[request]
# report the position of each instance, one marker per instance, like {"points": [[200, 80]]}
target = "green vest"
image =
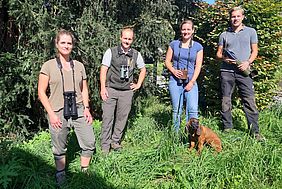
{"points": [[114, 79]]}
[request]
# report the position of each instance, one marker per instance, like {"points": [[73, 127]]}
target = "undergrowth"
{"points": [[154, 157]]}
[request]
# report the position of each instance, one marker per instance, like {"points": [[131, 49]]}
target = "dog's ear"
{"points": [[199, 131], [186, 129], [187, 126]]}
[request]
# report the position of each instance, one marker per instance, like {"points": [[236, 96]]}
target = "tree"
{"points": [[28, 28]]}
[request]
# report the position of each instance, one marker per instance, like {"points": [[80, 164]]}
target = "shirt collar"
{"points": [[121, 51], [230, 29]]}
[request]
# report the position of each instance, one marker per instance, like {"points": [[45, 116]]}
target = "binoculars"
{"points": [[124, 72], [183, 78], [70, 109]]}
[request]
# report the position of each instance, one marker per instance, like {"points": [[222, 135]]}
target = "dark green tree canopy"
{"points": [[27, 30]]}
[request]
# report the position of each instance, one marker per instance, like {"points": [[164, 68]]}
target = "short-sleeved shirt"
{"points": [[185, 58], [239, 43], [51, 69], [107, 59]]}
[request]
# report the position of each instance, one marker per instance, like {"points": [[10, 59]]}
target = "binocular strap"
{"points": [[61, 67]]}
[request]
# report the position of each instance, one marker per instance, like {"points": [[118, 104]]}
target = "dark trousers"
{"points": [[115, 113], [246, 91]]}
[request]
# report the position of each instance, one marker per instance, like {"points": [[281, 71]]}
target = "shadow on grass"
{"points": [[23, 169], [163, 119], [240, 125]]}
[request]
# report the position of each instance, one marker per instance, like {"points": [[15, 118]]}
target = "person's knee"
{"points": [[87, 145], [59, 149], [226, 104], [193, 107], [250, 104]]}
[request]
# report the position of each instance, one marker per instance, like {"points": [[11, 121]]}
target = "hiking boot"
{"points": [[259, 137], [116, 146], [85, 170], [60, 177]]}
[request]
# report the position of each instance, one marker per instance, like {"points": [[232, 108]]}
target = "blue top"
{"points": [[184, 63]]}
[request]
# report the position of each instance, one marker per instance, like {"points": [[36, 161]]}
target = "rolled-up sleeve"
{"points": [[45, 69]]}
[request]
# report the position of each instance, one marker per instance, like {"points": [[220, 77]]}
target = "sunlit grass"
{"points": [[154, 157]]}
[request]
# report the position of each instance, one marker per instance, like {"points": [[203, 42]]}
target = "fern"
{"points": [[8, 171]]}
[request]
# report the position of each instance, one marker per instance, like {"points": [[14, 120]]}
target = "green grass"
{"points": [[153, 157]]}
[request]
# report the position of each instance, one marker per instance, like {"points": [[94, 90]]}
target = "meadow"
{"points": [[154, 157]]}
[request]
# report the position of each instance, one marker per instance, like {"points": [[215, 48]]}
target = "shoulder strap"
{"points": [[60, 66], [189, 53], [178, 56], [72, 64]]}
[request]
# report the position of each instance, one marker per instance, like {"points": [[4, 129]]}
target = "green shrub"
{"points": [[8, 172]]}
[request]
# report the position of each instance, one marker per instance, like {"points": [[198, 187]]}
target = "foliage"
{"points": [[95, 35], [8, 171], [265, 17], [95, 30], [153, 157], [19, 83], [12, 93], [30, 28], [98, 33]]}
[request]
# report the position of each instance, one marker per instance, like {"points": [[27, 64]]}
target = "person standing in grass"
{"points": [[68, 103], [242, 41], [117, 87], [184, 59]]}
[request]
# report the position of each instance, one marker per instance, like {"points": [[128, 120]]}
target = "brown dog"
{"points": [[200, 135]]}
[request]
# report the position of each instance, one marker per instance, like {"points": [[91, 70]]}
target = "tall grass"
{"points": [[154, 157]]}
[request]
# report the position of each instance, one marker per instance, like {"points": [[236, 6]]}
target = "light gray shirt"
{"points": [[239, 43], [107, 59]]}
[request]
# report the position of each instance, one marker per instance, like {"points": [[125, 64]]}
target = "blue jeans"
{"points": [[191, 97]]}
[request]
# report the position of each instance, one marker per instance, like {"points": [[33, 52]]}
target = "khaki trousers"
{"points": [[84, 133], [115, 114]]}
